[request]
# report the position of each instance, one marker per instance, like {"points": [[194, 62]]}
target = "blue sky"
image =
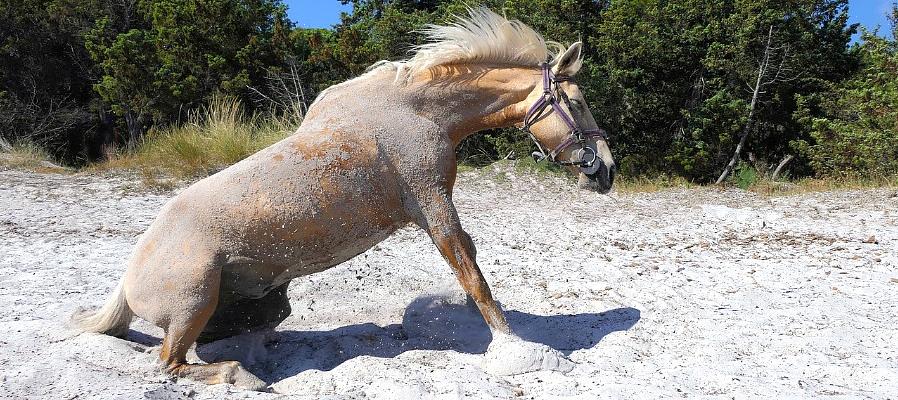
{"points": [[870, 13], [324, 13], [315, 13]]}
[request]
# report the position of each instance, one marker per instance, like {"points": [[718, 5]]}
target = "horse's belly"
{"points": [[254, 277], [339, 250]]}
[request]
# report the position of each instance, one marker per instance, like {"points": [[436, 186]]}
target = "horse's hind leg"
{"points": [[178, 340], [185, 327]]}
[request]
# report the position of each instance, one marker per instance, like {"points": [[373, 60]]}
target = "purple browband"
{"points": [[577, 135]]}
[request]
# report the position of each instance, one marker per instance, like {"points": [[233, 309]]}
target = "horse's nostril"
{"points": [[601, 180]]}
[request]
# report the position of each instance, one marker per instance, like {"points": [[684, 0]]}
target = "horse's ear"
{"points": [[569, 63]]}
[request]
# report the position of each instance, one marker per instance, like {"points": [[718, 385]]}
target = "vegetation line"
{"points": [[690, 89]]}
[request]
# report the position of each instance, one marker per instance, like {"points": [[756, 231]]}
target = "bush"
{"points": [[746, 176]]}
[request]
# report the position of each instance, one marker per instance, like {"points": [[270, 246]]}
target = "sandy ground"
{"points": [[682, 293]]}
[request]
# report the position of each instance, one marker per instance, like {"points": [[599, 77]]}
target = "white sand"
{"points": [[682, 293]]}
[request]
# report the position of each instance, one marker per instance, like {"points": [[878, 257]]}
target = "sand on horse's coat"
{"points": [[682, 293], [219, 257]]}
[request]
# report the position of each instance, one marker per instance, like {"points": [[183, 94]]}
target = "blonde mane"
{"points": [[481, 37], [484, 37]]}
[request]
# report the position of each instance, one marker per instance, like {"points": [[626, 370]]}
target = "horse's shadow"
{"points": [[429, 323]]}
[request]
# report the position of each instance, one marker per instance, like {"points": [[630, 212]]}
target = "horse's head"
{"points": [[562, 126]]}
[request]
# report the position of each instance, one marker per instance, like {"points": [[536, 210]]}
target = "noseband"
{"points": [[551, 94]]}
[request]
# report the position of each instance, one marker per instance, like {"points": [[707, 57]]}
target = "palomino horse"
{"points": [[374, 154]]}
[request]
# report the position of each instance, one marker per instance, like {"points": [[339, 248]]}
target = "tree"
{"points": [[773, 68], [677, 74], [183, 51], [46, 74], [858, 131]]}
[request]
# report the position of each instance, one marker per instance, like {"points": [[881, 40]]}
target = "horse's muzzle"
{"points": [[601, 180]]}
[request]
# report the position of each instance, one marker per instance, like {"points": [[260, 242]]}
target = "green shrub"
{"points": [[746, 176]]}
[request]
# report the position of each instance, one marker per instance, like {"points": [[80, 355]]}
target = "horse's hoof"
{"points": [[510, 355], [247, 381]]}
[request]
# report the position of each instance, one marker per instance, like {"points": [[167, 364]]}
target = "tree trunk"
{"points": [[135, 128], [762, 70], [779, 168]]}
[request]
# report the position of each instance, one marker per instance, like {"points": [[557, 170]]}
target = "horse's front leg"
{"points": [[441, 222], [507, 354]]}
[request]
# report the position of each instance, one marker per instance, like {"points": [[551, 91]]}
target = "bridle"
{"points": [[551, 94]]}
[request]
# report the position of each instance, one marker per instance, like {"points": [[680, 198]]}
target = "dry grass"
{"points": [[807, 185], [641, 184], [27, 155], [622, 184], [213, 138], [499, 171]]}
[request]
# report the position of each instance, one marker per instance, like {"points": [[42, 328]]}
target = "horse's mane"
{"points": [[481, 37]]}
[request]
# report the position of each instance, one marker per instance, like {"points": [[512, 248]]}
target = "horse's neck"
{"points": [[468, 99]]}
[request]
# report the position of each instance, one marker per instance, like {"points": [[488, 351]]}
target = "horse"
{"points": [[372, 155]]}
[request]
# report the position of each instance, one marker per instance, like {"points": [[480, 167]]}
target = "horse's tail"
{"points": [[111, 319]]}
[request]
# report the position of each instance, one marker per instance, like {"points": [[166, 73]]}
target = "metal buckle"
{"points": [[592, 161]]}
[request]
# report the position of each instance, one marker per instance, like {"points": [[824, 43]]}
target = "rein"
{"points": [[551, 93]]}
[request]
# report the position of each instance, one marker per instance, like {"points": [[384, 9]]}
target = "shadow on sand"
{"points": [[429, 323]]}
